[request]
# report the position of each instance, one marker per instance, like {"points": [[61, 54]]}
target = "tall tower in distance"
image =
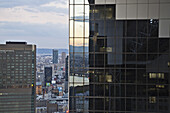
{"points": [[17, 77], [63, 56], [66, 73], [48, 75], [55, 56]]}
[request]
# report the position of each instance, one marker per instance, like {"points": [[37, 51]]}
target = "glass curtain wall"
{"points": [[79, 56], [116, 66]]}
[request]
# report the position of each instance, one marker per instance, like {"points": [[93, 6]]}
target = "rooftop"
{"points": [[16, 42]]}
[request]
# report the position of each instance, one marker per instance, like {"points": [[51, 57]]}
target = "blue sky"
{"points": [[40, 22]]}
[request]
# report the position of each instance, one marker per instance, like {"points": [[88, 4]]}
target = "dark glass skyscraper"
{"points": [[55, 56], [17, 77], [48, 75], [119, 56], [66, 74]]}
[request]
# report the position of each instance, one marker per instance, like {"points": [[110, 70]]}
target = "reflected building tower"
{"points": [[17, 77], [119, 56]]}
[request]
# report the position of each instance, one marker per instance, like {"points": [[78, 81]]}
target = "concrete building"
{"points": [[52, 107], [41, 106], [63, 57], [38, 88], [17, 77]]}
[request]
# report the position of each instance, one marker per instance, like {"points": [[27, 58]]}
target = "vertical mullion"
{"points": [[104, 55], [83, 50]]}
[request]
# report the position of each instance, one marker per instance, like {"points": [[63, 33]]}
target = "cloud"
{"points": [[56, 5], [32, 3], [43, 22], [45, 35], [26, 14], [42, 30], [34, 11]]}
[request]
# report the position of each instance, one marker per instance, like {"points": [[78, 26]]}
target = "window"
{"points": [[152, 100], [156, 75], [108, 78]]}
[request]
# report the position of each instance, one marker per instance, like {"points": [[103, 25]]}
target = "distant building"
{"points": [[40, 77], [66, 75], [55, 92], [38, 88], [55, 56], [48, 75], [41, 106], [17, 77], [41, 109], [52, 107], [63, 57], [60, 88]]}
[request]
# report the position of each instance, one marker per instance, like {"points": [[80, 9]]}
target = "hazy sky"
{"points": [[40, 22]]}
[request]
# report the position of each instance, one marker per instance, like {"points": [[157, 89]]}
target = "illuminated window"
{"points": [[160, 86], [152, 100], [156, 75], [168, 64], [108, 78], [109, 49], [102, 49]]}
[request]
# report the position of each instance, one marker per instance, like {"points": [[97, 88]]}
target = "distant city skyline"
{"points": [[40, 22]]}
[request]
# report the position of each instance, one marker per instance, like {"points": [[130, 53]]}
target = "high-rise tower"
{"points": [[63, 57], [17, 77], [119, 56], [48, 75], [55, 56]]}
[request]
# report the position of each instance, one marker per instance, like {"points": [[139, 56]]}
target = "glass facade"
{"points": [[116, 65], [48, 75], [17, 78], [55, 56]]}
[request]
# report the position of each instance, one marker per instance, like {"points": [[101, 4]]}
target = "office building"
{"points": [[63, 57], [55, 56], [48, 75], [41, 106], [38, 88], [17, 77], [119, 56], [66, 75], [52, 107]]}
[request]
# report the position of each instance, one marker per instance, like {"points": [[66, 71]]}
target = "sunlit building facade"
{"points": [[119, 56], [17, 77]]}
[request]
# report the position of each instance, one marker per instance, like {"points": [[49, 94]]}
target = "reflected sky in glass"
{"points": [[79, 23], [79, 80]]}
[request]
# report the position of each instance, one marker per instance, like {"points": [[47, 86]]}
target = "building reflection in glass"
{"points": [[116, 65]]}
